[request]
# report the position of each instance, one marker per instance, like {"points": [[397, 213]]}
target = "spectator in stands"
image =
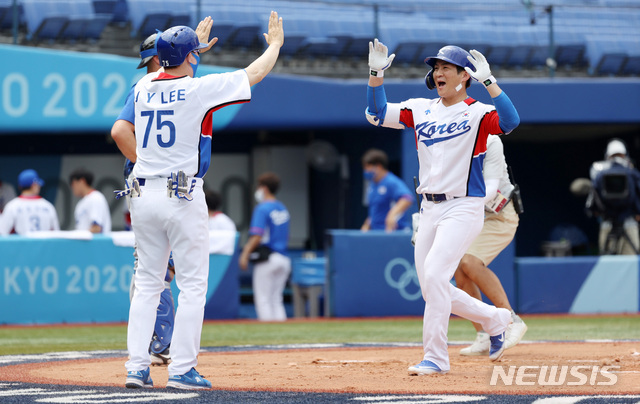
{"points": [[267, 250], [388, 197], [615, 199], [7, 193], [92, 211], [217, 219], [29, 212]]}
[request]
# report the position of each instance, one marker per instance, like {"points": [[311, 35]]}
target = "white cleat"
{"points": [[514, 334], [479, 347]]}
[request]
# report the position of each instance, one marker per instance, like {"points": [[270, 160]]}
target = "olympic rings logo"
{"points": [[407, 277]]}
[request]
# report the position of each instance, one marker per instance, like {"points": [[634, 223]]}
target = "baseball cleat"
{"points": [[514, 333], [138, 379], [425, 368], [189, 381], [479, 347], [497, 346], [161, 359]]}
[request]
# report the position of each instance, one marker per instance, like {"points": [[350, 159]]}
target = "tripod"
{"points": [[615, 239]]}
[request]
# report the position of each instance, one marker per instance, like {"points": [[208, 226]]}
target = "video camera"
{"points": [[611, 196]]}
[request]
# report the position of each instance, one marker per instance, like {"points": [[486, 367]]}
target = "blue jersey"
{"points": [[382, 195], [128, 114], [270, 220]]}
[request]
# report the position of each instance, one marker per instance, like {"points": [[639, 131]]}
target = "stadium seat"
{"points": [[43, 19], [7, 19], [519, 56], [83, 22], [407, 52], [610, 64], [105, 7], [570, 55], [631, 66], [538, 56], [499, 55]]}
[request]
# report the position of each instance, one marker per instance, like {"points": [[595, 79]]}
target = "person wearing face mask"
{"points": [[266, 249], [387, 196]]}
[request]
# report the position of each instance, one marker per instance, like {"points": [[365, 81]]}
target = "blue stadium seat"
{"points": [[146, 16], [7, 21], [611, 64], [631, 66], [83, 22], [538, 56], [570, 55], [499, 55], [519, 56], [408, 52], [43, 19]]}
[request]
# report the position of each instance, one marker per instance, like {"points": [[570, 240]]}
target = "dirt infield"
{"points": [[574, 367]]}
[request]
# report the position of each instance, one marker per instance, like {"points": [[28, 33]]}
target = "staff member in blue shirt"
{"points": [[388, 197], [267, 250]]}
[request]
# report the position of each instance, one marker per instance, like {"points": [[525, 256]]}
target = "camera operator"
{"points": [[614, 199]]}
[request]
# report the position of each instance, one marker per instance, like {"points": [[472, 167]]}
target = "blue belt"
{"points": [[141, 181], [437, 198]]}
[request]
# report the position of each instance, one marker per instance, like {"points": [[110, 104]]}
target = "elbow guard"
{"points": [[509, 118], [377, 105]]}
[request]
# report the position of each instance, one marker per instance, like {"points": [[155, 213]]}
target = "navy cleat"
{"points": [[425, 368], [497, 346], [139, 378], [189, 381]]}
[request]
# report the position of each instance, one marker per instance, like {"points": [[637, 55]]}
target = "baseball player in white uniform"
{"points": [[500, 225], [29, 212], [451, 139], [173, 123], [92, 211]]}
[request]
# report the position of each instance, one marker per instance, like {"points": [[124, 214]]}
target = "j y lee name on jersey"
{"points": [[428, 129], [166, 98]]}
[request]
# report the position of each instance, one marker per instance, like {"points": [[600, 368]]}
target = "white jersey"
{"points": [[220, 221], [445, 136], [495, 165], [173, 120], [26, 214], [93, 209]]}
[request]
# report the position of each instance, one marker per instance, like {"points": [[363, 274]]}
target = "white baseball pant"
{"points": [[162, 224], [446, 231], [269, 279]]}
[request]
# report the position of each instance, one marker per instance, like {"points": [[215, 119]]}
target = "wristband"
{"points": [[376, 73], [489, 81]]}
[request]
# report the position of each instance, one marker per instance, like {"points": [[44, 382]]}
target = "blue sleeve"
{"points": [[401, 190], [509, 118], [258, 220], [376, 103], [128, 112]]}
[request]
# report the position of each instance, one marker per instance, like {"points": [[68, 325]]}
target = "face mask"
{"points": [[259, 195], [368, 175], [195, 66]]}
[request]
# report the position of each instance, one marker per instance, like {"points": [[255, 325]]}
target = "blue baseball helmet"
{"points": [[450, 53], [175, 44]]}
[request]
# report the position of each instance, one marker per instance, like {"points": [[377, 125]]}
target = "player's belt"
{"points": [[162, 181], [437, 198]]}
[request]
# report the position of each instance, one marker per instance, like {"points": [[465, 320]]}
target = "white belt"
{"points": [[161, 182]]}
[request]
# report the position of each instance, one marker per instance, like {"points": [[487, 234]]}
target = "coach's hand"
{"points": [[483, 71], [379, 60], [203, 30]]}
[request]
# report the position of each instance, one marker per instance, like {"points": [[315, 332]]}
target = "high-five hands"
{"points": [[379, 59]]}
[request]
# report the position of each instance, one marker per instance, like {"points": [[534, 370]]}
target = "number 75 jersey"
{"points": [[174, 120]]}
